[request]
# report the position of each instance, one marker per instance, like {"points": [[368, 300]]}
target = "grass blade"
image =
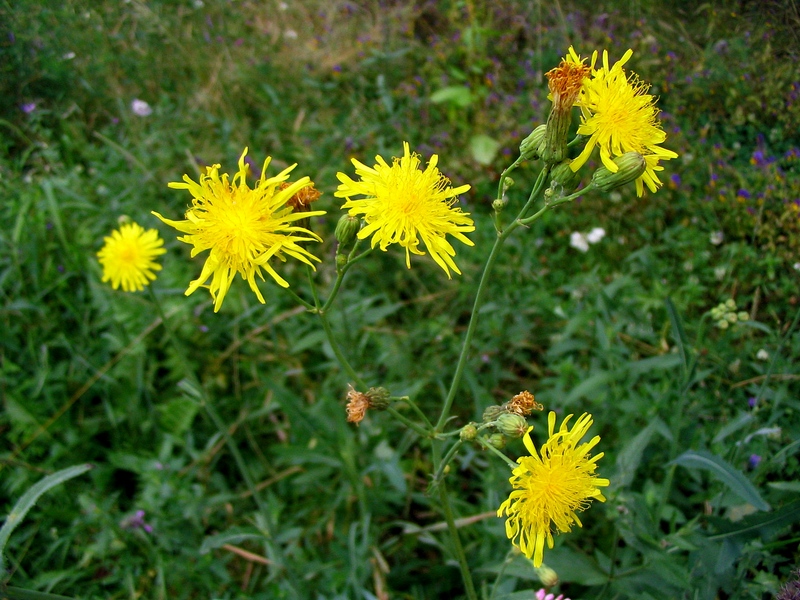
{"points": [[29, 498]]}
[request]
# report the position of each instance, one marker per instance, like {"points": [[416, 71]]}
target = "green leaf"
{"points": [[29, 498], [785, 486], [678, 333], [234, 535], [630, 456], [734, 479], [574, 567], [589, 387], [176, 416], [739, 422], [784, 516], [483, 148], [458, 95]]}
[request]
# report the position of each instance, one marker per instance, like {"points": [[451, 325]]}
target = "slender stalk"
{"points": [[485, 443], [507, 561], [482, 287], [446, 461], [351, 372], [308, 305], [457, 547], [426, 433], [416, 409]]}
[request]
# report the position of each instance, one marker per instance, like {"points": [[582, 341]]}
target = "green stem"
{"points": [[446, 461], [416, 409], [308, 305], [482, 288], [507, 561], [457, 547], [505, 174], [351, 372], [485, 443], [408, 422]]}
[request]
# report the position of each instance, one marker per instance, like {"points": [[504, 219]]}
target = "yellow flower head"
{"points": [[549, 487], [128, 257], [242, 228], [403, 204], [619, 116]]}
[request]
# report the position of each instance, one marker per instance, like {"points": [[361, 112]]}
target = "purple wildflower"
{"points": [[754, 460], [28, 107]]}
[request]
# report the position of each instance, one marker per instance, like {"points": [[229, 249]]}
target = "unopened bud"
{"points": [[468, 433], [497, 440], [547, 576], [564, 176], [630, 166], [512, 425], [529, 148], [499, 204], [492, 412], [378, 398], [346, 230], [341, 261], [507, 183]]}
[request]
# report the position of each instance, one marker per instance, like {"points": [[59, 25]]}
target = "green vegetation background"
{"points": [[86, 374]]}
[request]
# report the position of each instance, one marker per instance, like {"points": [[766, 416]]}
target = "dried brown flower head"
{"points": [[302, 200], [357, 405], [565, 83], [523, 403]]}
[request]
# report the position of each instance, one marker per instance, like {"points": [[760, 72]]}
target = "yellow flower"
{"points": [[549, 489], [403, 204], [619, 116], [242, 228], [128, 257]]}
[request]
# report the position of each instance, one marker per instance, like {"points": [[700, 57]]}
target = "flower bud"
{"points": [[547, 576], [492, 412], [743, 316], [499, 204], [631, 165], [346, 230], [341, 261], [378, 398], [563, 175], [512, 425], [497, 440], [468, 433], [529, 147]]}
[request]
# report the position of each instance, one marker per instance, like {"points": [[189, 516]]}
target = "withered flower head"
{"points": [[565, 83], [357, 405], [302, 200], [523, 403]]}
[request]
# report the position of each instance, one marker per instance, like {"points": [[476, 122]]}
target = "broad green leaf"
{"points": [[29, 498], [589, 386], [483, 148], [784, 516], [724, 472], [458, 95], [630, 456], [574, 567], [663, 363]]}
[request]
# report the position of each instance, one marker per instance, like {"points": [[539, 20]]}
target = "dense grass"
{"points": [[622, 331]]}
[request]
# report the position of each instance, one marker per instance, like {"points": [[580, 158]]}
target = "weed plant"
{"points": [[699, 423]]}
